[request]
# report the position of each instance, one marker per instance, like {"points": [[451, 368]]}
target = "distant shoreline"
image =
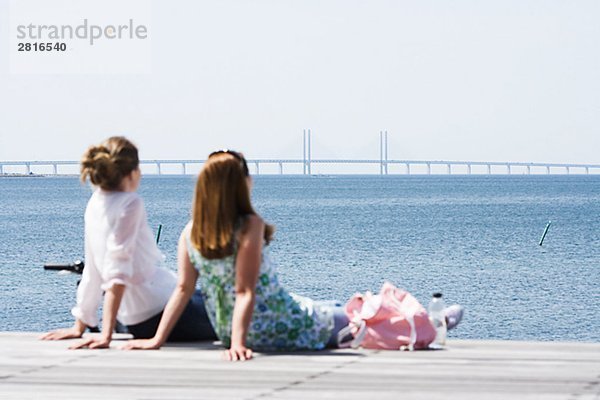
{"points": [[153, 175], [21, 175], [35, 175]]}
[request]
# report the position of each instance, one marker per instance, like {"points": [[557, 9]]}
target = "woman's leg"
{"points": [[193, 325], [340, 320], [145, 329]]}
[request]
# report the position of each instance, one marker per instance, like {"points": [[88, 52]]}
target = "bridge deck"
{"points": [[31, 369], [11, 168], [330, 161]]}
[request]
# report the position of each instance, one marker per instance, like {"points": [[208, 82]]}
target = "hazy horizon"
{"points": [[495, 81]]}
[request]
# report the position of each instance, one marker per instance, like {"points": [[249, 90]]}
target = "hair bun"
{"points": [[108, 163], [93, 155]]}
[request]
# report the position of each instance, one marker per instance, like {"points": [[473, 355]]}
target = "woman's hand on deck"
{"points": [[74, 332], [60, 334], [238, 353], [92, 343], [141, 344]]}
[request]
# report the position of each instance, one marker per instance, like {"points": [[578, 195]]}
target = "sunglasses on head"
{"points": [[236, 155]]}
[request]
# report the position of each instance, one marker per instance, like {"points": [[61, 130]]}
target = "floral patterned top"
{"points": [[280, 321]]}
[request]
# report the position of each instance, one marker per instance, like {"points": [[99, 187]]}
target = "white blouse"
{"points": [[120, 249]]}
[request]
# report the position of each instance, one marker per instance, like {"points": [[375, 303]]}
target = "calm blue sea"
{"points": [[474, 238]]}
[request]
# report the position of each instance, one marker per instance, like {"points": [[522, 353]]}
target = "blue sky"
{"points": [[492, 81]]}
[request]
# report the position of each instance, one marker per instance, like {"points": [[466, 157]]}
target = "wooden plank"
{"points": [[32, 369]]}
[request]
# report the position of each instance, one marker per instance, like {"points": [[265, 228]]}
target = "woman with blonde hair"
{"points": [[122, 259]]}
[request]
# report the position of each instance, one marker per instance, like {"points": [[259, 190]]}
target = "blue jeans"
{"points": [[193, 325]]}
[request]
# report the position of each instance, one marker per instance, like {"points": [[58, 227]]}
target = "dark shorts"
{"points": [[193, 325]]}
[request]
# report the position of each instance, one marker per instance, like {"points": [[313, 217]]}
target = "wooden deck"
{"points": [[32, 369]]}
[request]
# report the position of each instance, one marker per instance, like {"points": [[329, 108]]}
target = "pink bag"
{"points": [[392, 320]]}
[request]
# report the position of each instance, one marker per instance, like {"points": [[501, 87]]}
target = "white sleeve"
{"points": [[120, 245], [89, 291]]}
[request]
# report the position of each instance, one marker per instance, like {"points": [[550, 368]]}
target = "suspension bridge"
{"points": [[306, 163]]}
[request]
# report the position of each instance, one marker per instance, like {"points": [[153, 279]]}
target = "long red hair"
{"points": [[221, 201]]}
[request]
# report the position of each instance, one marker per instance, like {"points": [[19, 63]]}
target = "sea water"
{"points": [[473, 238]]}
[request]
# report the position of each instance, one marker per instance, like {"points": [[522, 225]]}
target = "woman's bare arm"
{"points": [[112, 300], [247, 270]]}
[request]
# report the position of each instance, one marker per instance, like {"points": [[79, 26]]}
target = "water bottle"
{"points": [[438, 319]]}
